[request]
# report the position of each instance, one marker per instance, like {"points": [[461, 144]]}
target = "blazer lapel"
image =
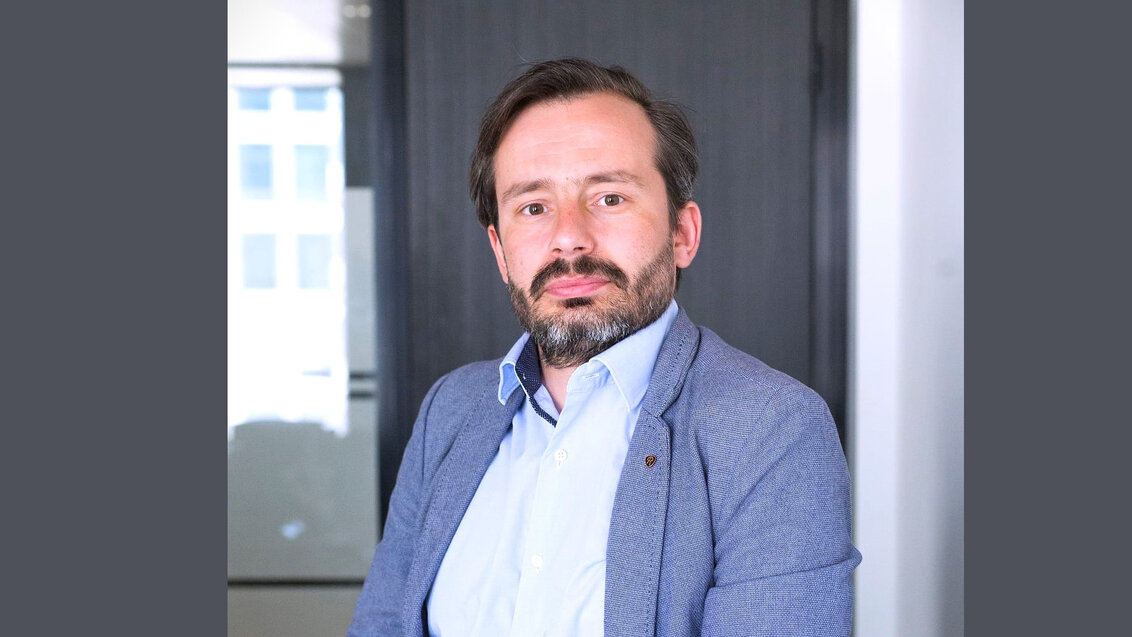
{"points": [[455, 483], [636, 532], [636, 529]]}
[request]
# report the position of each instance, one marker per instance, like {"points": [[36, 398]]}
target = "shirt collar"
{"points": [[630, 361]]}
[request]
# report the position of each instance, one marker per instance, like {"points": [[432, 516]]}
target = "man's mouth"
{"points": [[575, 286], [584, 276]]}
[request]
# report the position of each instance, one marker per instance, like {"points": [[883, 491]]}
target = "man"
{"points": [[620, 471]]}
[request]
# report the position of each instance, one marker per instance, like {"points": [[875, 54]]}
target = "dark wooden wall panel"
{"points": [[742, 69]]}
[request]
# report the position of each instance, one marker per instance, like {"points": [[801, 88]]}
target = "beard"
{"points": [[584, 328]]}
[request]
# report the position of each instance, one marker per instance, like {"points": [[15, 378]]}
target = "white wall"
{"points": [[906, 315]]}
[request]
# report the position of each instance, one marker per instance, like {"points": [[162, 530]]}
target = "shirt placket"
{"points": [[539, 571], [542, 579]]}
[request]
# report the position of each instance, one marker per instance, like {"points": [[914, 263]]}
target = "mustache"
{"points": [[584, 265]]}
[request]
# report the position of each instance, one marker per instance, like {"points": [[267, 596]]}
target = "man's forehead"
{"points": [[606, 132], [598, 119], [564, 108]]}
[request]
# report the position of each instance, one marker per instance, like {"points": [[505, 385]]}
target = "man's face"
{"points": [[584, 240]]}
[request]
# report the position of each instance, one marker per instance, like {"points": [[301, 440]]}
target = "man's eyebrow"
{"points": [[615, 177], [523, 187], [612, 177]]}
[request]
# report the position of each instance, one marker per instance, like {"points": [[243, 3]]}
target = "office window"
{"points": [[310, 99], [259, 261], [310, 172], [302, 499], [254, 99], [314, 252], [255, 171]]}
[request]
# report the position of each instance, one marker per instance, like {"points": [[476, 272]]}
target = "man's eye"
{"points": [[612, 200], [534, 209]]}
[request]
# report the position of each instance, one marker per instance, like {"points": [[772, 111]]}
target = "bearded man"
{"points": [[620, 471]]}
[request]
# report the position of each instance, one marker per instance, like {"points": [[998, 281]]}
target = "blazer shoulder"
{"points": [[739, 376], [459, 391], [469, 381], [733, 398], [737, 420], [449, 404]]}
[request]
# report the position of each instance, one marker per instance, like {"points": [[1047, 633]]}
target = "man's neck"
{"points": [[555, 380]]}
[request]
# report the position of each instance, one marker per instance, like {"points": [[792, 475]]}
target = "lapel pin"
{"points": [[650, 460]]}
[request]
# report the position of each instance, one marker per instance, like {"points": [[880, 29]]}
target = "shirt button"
{"points": [[536, 561], [559, 458]]}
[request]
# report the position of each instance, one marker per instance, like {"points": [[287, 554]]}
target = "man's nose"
{"points": [[573, 230]]}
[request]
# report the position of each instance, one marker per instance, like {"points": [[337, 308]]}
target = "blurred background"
{"points": [[831, 144]]}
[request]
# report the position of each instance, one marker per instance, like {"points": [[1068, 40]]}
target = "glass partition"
{"points": [[301, 408]]}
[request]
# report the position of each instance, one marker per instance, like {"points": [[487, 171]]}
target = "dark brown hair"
{"points": [[572, 77]]}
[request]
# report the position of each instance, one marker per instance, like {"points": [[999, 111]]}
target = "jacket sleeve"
{"points": [[378, 610], [784, 558]]}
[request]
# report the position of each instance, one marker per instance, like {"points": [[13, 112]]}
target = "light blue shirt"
{"points": [[529, 555]]}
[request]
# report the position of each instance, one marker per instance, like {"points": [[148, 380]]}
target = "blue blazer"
{"points": [[740, 526]]}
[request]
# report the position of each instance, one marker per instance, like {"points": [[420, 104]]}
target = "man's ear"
{"points": [[497, 248], [686, 238]]}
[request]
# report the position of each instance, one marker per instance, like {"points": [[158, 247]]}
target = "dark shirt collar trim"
{"points": [[529, 371]]}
